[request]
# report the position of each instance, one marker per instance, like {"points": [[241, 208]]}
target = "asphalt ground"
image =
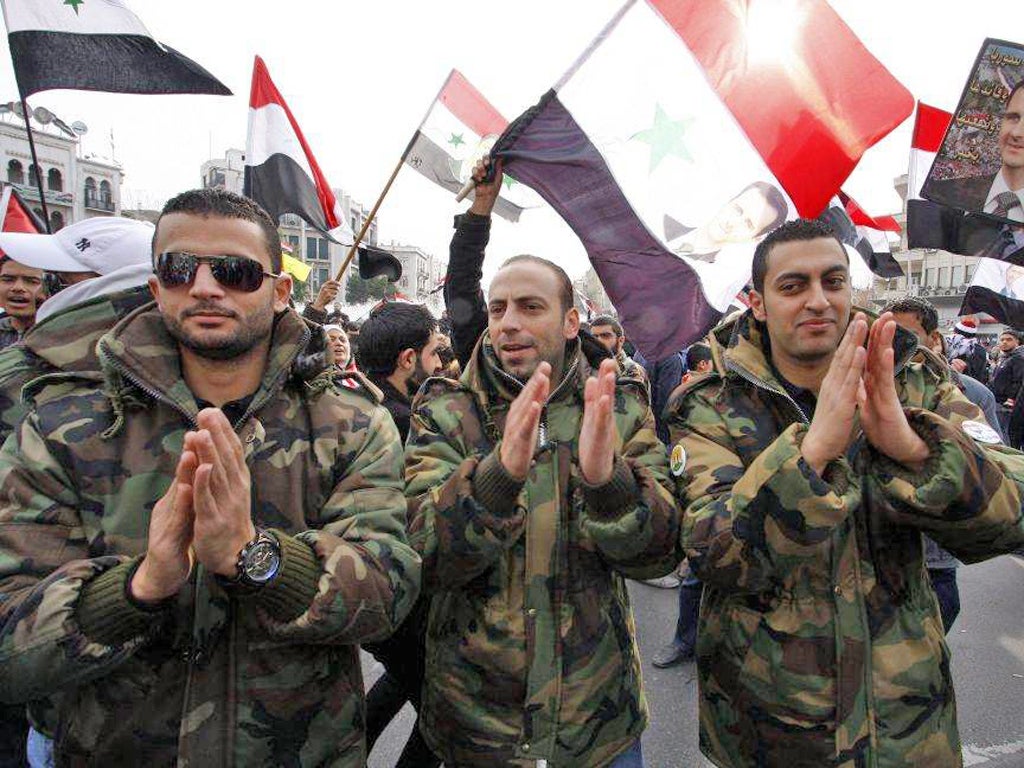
{"points": [[987, 643]]}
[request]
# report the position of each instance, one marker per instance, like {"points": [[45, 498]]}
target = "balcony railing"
{"points": [[98, 203]]}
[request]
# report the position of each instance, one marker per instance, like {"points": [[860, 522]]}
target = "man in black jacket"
{"points": [[1007, 380], [398, 351]]}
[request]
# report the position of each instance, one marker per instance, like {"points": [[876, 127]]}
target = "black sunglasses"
{"points": [[239, 273]]}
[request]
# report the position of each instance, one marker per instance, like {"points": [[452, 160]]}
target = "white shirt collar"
{"points": [[999, 186]]}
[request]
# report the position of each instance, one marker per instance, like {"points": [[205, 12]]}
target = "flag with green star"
{"points": [[459, 129], [95, 45]]}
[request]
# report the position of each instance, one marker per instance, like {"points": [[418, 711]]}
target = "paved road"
{"points": [[987, 642]]}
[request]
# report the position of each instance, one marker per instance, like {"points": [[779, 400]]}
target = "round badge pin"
{"points": [[677, 461], [981, 432]]}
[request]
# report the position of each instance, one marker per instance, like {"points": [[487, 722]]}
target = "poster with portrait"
{"points": [[979, 167], [998, 289]]}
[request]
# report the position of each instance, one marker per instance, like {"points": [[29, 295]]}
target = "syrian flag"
{"points": [[95, 45], [18, 217], [718, 118], [933, 225], [998, 289], [870, 237], [281, 173], [459, 129]]}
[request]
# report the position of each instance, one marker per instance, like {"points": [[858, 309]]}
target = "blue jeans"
{"points": [[631, 758]]}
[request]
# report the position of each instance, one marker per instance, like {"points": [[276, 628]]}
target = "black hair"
{"points": [[923, 309], [390, 329], [791, 231], [222, 204], [608, 320], [696, 354], [1013, 91], [774, 198], [565, 290]]}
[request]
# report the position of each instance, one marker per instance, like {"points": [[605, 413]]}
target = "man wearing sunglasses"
{"points": [[193, 543]]}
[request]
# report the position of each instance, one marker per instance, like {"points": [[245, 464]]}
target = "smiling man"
{"points": [[808, 466], [179, 566], [536, 483]]}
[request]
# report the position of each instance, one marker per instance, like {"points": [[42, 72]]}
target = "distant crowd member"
{"points": [[698, 362], [536, 483], [1008, 378], [398, 346], [105, 263], [964, 345], [316, 310], [165, 579], [607, 330], [21, 292], [809, 467], [398, 351]]}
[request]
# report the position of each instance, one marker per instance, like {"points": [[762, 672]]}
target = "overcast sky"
{"points": [[360, 76]]}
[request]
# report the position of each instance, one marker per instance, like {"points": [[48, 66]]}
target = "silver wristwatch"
{"points": [[259, 561]]}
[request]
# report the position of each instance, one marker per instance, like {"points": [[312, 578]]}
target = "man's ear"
{"points": [[757, 305], [154, 288], [407, 359], [282, 292], [571, 326]]}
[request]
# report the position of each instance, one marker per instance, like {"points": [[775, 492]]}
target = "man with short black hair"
{"points": [[398, 351], [809, 467], [199, 537], [536, 482], [607, 330], [21, 292]]}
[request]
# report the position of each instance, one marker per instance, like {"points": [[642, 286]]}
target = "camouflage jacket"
{"points": [[820, 642], [8, 333], [531, 650], [65, 342], [216, 677]]}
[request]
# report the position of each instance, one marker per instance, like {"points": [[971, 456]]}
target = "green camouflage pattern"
{"points": [[820, 640], [531, 650], [218, 677], [63, 342]]}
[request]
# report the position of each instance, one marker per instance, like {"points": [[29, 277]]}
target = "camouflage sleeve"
{"points": [[633, 519], [44, 570], [744, 528], [968, 495], [463, 510], [15, 372], [355, 578]]}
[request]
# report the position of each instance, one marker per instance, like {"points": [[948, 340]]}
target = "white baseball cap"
{"points": [[102, 244]]}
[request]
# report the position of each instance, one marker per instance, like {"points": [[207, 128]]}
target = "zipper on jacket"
{"points": [[748, 377]]}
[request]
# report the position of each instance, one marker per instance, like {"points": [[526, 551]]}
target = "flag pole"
{"points": [[387, 187], [35, 161]]}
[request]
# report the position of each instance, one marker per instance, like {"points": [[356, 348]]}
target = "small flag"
{"points": [[281, 173], [997, 288], [374, 262], [864, 234], [95, 46], [18, 217], [295, 267], [459, 129], [685, 132]]}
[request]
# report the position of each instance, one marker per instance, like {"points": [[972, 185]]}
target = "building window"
{"points": [[56, 221], [90, 187], [54, 180], [293, 241], [929, 276], [39, 212], [943, 277], [958, 276], [324, 275], [324, 249], [33, 176], [105, 191], [15, 172], [311, 247]]}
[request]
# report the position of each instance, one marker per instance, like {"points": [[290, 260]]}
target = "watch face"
{"points": [[262, 562]]}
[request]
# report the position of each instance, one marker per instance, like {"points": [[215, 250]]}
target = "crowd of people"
{"points": [[210, 501]]}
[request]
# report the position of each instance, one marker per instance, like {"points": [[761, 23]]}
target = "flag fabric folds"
{"points": [[95, 46], [998, 289], [18, 217], [374, 262], [867, 235], [688, 130], [281, 173], [459, 129]]}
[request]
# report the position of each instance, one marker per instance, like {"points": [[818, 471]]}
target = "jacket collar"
{"points": [[739, 348], [139, 352]]}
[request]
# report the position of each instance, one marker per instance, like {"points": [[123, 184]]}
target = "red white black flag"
{"points": [[281, 173]]}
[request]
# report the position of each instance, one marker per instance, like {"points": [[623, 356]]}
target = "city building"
{"points": [[76, 187], [422, 274]]}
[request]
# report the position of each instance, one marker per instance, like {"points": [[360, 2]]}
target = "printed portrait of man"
{"points": [[757, 209]]}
